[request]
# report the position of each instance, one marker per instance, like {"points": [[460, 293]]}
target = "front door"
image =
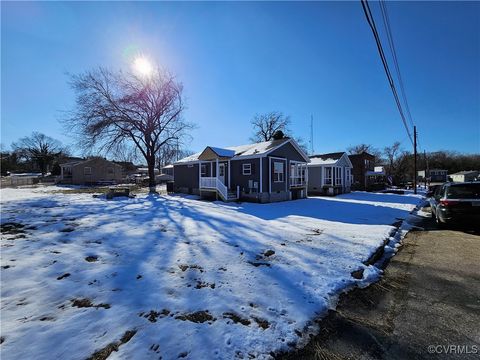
{"points": [[221, 173]]}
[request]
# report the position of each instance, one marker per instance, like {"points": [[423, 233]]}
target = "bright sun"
{"points": [[143, 66]]}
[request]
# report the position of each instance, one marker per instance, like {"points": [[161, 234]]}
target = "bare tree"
{"points": [[266, 125], [40, 149], [118, 108], [169, 154]]}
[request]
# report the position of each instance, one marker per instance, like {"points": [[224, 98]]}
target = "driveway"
{"points": [[427, 305]]}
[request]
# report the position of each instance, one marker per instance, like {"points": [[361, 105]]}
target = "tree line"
{"points": [[399, 163]]}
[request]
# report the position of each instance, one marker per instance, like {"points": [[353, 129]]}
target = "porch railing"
{"points": [[214, 183], [297, 181]]}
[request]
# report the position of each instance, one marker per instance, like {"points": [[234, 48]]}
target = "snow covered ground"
{"points": [[171, 276]]}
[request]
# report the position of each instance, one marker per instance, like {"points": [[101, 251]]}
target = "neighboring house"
{"points": [[167, 170], [362, 164], [263, 172], [90, 171], [433, 175], [464, 176], [166, 174], [329, 174]]}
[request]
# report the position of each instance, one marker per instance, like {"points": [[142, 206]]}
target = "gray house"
{"points": [[263, 172], [330, 174], [91, 171]]}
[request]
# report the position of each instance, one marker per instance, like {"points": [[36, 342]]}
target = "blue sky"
{"points": [[239, 59]]}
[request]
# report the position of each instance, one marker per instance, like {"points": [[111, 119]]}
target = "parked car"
{"points": [[456, 203]]}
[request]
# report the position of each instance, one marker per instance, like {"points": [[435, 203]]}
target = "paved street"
{"points": [[429, 296]]}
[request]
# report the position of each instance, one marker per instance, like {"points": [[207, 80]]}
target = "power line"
{"points": [[386, 22], [371, 22]]}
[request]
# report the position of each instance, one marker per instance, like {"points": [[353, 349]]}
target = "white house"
{"points": [[329, 174], [464, 176]]}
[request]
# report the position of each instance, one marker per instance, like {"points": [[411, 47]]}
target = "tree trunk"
{"points": [[151, 175]]}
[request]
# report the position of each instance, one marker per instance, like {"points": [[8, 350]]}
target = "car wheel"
{"points": [[440, 224]]}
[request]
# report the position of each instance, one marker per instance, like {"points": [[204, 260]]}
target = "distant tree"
{"points": [[40, 149], [169, 154], [266, 125], [118, 108], [56, 169]]}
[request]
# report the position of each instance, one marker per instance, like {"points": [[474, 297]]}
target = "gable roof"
{"points": [[361, 155], [246, 151], [328, 159], [465, 172]]}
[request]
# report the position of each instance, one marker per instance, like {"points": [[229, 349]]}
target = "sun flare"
{"points": [[143, 66]]}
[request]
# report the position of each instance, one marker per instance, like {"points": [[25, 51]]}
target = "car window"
{"points": [[439, 191], [464, 191]]}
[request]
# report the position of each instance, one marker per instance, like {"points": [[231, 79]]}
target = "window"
{"points": [[247, 169], [221, 170], [328, 176], [338, 176], [348, 175], [278, 175], [110, 170], [87, 170], [203, 169]]}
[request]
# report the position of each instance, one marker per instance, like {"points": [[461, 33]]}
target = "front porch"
{"points": [[215, 173]]}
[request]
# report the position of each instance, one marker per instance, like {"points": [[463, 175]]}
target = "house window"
{"points": [[338, 176], [247, 169], [87, 170], [328, 176], [203, 170], [110, 170], [278, 174], [348, 179]]}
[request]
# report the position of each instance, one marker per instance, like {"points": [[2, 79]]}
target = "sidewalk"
{"points": [[427, 305]]}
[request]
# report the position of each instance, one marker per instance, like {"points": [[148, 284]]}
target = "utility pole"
{"points": [[426, 166], [415, 159], [311, 135]]}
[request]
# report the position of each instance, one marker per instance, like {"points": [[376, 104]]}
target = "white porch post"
{"points": [[216, 168], [200, 178], [270, 175], [261, 175], [229, 173]]}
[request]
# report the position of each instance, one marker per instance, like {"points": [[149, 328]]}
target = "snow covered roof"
{"points": [[467, 172], [325, 159], [239, 151]]}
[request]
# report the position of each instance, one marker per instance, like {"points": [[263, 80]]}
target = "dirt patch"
{"points": [[104, 353], [91, 258], [257, 264], [236, 319], [196, 317], [12, 228], [5, 266], [67, 229], [357, 274], [184, 267], [264, 324], [268, 253], [87, 303], [2, 339], [47, 318], [63, 276], [202, 284], [316, 232], [153, 315]]}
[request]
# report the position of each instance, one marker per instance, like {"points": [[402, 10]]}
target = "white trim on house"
{"points": [[261, 175], [247, 169]]}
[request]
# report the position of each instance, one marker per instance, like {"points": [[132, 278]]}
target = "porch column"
{"points": [[199, 172], [261, 175], [216, 168], [229, 173]]}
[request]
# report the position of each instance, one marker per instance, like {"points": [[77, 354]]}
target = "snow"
{"points": [[182, 255], [320, 161], [222, 152]]}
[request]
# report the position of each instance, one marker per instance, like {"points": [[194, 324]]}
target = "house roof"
{"points": [[361, 155], [85, 161], [236, 152], [465, 172], [327, 159]]}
